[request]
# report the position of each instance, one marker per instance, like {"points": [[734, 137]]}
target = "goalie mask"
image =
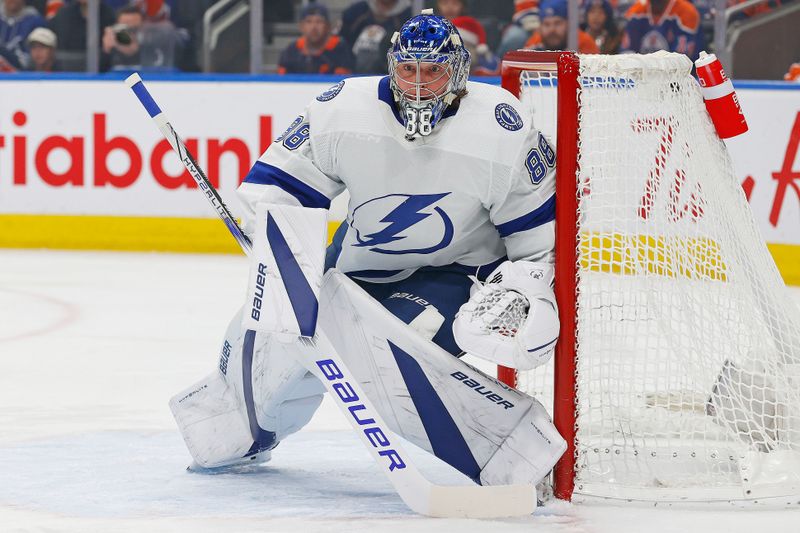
{"points": [[428, 69]]}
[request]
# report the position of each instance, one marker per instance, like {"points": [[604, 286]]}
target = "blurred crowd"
{"points": [[358, 42], [41, 35], [50, 36]]}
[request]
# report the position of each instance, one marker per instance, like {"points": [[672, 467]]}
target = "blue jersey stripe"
{"points": [[266, 174], [304, 302], [446, 439], [541, 215]]}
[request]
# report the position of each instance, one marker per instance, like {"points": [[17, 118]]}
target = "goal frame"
{"points": [[567, 66], [728, 432]]}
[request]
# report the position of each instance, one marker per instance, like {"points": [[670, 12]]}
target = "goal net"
{"points": [[677, 374]]}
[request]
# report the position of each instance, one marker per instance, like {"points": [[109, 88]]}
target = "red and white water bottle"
{"points": [[720, 98]]}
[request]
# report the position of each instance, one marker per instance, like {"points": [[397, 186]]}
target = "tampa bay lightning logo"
{"points": [[508, 117], [393, 214], [331, 93]]}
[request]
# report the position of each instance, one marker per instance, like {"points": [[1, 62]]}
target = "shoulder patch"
{"points": [[331, 93], [508, 117]]}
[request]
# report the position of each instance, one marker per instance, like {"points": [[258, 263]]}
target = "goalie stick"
{"points": [[417, 492], [135, 83]]}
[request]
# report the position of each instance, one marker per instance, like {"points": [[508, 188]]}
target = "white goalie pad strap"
{"points": [[286, 270], [428, 322], [513, 319], [426, 395]]}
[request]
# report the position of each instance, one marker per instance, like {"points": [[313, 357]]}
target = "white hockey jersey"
{"points": [[478, 190]]}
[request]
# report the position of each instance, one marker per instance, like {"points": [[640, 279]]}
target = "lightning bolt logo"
{"points": [[403, 217]]}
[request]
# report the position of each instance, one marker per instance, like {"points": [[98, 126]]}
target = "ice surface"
{"points": [[91, 347]]}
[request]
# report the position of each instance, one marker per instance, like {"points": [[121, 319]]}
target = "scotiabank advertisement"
{"points": [[87, 147]]}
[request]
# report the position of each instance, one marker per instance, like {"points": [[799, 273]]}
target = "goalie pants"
{"points": [[445, 288]]}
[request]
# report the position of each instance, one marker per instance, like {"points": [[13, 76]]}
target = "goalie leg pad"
{"points": [[286, 269], [257, 397], [529, 452], [431, 398], [209, 417]]}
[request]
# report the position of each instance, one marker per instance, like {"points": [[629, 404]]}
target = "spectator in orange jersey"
{"points": [[794, 73], [672, 25], [552, 33], [316, 51]]}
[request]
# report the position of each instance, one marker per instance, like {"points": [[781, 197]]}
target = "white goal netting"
{"points": [[688, 347]]}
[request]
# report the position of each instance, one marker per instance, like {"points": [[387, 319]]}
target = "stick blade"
{"points": [[480, 502]]}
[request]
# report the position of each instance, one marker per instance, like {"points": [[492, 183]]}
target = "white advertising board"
{"points": [[89, 148], [86, 147], [766, 159]]}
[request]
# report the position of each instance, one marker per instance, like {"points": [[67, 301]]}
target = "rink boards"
{"points": [[82, 167]]}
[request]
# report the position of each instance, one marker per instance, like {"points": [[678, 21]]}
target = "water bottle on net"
{"points": [[720, 98]]}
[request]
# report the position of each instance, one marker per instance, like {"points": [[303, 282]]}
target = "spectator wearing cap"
{"points": [[42, 43], [451, 9], [316, 51], [672, 25], [17, 21], [552, 32], [368, 25], [599, 23], [483, 61], [524, 22]]}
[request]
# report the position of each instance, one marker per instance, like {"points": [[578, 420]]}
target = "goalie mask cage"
{"points": [[676, 377]]}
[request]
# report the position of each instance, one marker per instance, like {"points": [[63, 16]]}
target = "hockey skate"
{"points": [[242, 465]]}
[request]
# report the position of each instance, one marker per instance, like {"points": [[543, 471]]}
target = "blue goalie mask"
{"points": [[428, 68]]}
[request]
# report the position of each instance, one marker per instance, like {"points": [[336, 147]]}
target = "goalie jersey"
{"points": [[477, 191]]}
